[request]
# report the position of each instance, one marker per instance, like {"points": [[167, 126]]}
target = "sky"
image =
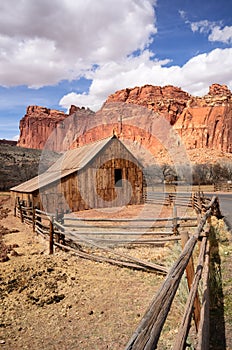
{"points": [[61, 52]]}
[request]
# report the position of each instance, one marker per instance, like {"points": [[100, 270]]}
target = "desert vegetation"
{"points": [[199, 174]]}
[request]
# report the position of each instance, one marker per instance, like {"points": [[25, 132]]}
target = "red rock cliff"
{"points": [[39, 123], [202, 122], [207, 121], [168, 100]]}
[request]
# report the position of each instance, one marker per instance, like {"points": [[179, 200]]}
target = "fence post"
{"points": [[190, 276], [33, 218], [21, 212], [175, 223], [51, 231], [15, 207]]}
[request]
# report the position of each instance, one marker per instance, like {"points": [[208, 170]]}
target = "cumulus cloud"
{"points": [[49, 41], [202, 26], [145, 69], [215, 30], [216, 33], [221, 34]]}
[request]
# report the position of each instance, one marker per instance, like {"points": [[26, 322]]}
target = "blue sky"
{"points": [[61, 52]]}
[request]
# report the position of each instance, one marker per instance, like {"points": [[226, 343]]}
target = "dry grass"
{"points": [[64, 302]]}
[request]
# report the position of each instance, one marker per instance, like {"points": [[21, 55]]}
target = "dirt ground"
{"points": [[62, 302]]}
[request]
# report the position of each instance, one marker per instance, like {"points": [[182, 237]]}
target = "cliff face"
{"points": [[169, 100], [135, 114], [207, 121], [39, 123], [201, 122]]}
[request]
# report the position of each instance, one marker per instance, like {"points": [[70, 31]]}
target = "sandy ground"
{"points": [[62, 302]]}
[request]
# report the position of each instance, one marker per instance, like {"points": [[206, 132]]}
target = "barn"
{"points": [[99, 174]]}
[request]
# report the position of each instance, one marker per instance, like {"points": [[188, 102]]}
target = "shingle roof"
{"points": [[68, 163]]}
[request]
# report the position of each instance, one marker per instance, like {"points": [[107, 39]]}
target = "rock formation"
{"points": [[168, 100], [40, 122], [135, 114], [20, 164], [207, 121]]}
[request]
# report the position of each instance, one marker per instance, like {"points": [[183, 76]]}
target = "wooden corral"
{"points": [[86, 238], [100, 174]]}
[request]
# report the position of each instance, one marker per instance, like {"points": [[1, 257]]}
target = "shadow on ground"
{"points": [[217, 320]]}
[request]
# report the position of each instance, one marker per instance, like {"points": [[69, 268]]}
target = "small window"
{"points": [[118, 177]]}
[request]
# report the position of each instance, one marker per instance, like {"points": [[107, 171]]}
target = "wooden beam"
{"points": [[190, 276], [51, 238]]}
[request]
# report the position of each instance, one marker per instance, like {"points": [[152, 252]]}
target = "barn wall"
{"points": [[28, 198], [94, 186]]}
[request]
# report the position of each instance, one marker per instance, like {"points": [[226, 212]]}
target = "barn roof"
{"points": [[70, 162]]}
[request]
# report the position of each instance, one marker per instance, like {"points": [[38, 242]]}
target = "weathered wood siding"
{"points": [[94, 185]]}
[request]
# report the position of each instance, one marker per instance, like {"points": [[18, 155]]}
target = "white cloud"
{"points": [[49, 41], [216, 32], [15, 138], [195, 76], [201, 26], [224, 35]]}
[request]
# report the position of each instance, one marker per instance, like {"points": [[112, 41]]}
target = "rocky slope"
{"points": [[20, 164], [145, 115]]}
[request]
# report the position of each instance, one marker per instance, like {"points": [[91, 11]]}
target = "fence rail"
{"points": [[223, 186], [147, 334], [71, 233]]}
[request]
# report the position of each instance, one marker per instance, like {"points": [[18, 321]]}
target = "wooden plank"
{"points": [[116, 227], [203, 332], [190, 276], [138, 241], [180, 341], [97, 258], [124, 220], [95, 232], [152, 266], [175, 221], [51, 237]]}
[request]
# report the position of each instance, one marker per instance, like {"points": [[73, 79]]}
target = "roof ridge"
{"points": [[96, 141]]}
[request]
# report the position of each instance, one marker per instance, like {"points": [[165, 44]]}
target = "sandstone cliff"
{"points": [[202, 122], [207, 121], [169, 100], [39, 123], [140, 114]]}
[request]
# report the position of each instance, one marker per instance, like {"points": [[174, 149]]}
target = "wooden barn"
{"points": [[96, 175]]}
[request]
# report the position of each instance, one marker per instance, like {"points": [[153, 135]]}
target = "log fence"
{"points": [[147, 334], [223, 186], [102, 235]]}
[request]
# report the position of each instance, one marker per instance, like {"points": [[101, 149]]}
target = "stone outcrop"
{"points": [[21, 164], [36, 126], [202, 122], [136, 114], [40, 122], [169, 100], [207, 121]]}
